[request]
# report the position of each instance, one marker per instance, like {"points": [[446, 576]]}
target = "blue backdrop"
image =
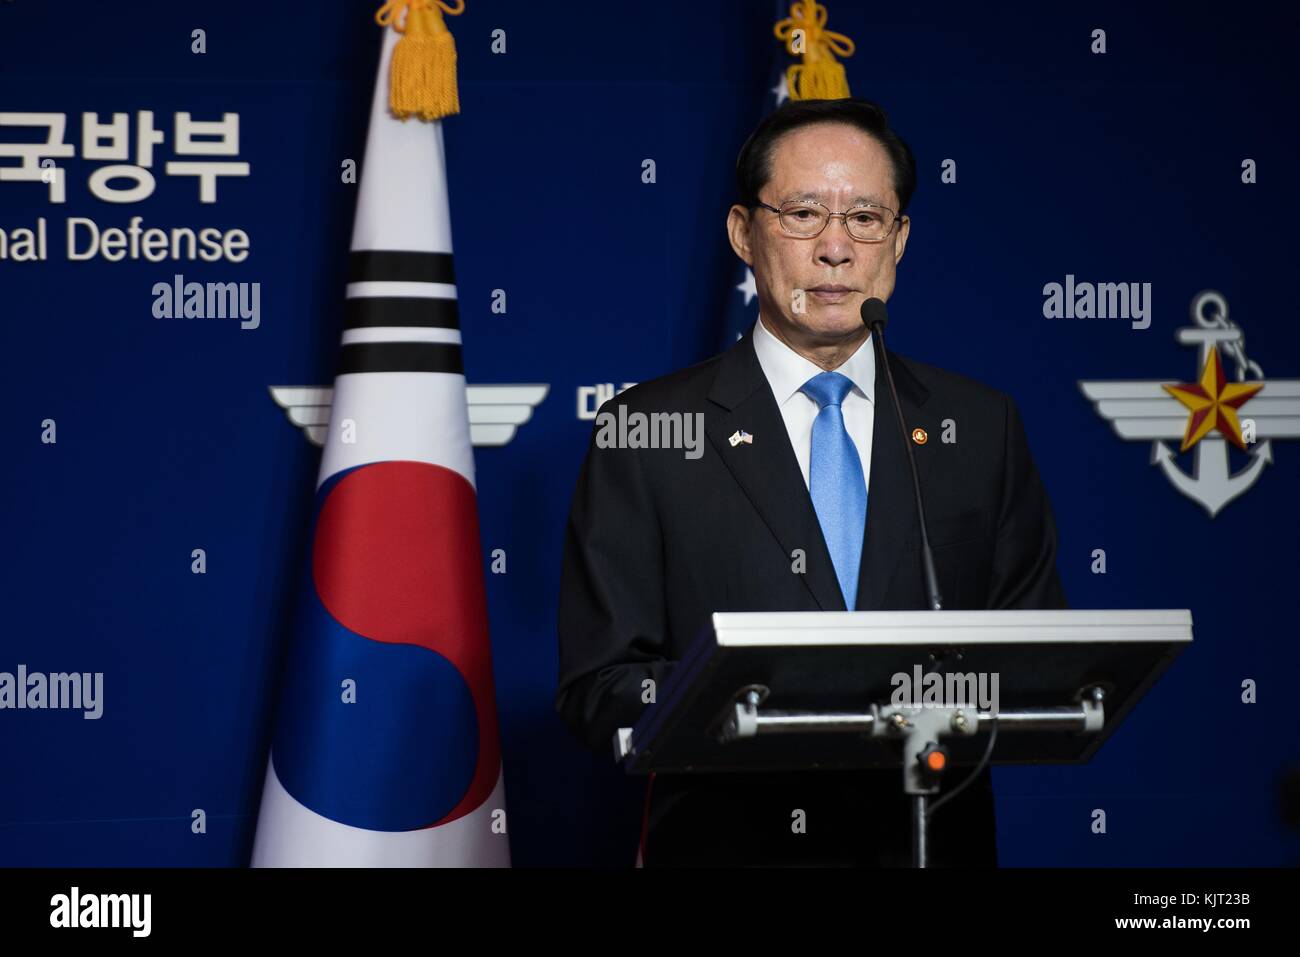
{"points": [[1117, 167]]}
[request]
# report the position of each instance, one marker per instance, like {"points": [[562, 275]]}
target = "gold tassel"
{"points": [[820, 76], [422, 79]]}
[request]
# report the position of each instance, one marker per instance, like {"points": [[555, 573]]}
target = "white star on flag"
{"points": [[748, 287], [781, 91]]}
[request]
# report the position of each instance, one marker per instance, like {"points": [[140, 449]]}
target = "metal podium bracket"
{"points": [[746, 719]]}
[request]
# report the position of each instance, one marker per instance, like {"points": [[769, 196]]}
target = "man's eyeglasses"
{"points": [[804, 219]]}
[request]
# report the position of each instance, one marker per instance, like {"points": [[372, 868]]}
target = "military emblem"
{"points": [[1208, 414]]}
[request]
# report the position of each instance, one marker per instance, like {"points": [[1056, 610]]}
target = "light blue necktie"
{"points": [[839, 492]]}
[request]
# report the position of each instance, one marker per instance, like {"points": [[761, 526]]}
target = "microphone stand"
{"points": [[927, 556]]}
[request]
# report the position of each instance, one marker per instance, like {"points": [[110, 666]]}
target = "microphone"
{"points": [[874, 316]]}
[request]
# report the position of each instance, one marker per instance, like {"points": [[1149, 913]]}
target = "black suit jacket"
{"points": [[656, 542]]}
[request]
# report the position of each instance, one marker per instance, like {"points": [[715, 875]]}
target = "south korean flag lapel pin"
{"points": [[740, 435]]}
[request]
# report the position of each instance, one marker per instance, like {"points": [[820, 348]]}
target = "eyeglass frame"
{"points": [[898, 218]]}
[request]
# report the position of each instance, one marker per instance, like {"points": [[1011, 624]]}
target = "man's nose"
{"points": [[835, 245]]}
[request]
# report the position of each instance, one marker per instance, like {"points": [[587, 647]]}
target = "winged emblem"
{"points": [[495, 411]]}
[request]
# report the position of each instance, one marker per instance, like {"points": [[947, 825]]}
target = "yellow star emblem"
{"points": [[1213, 404]]}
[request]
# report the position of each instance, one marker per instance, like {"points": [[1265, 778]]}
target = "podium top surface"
{"points": [[1011, 626]]}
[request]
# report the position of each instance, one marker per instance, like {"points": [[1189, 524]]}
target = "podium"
{"points": [[923, 691]]}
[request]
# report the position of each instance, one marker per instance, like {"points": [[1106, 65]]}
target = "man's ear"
{"points": [[738, 232], [900, 241]]}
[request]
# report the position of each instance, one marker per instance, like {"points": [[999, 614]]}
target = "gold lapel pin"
{"points": [[919, 436]]}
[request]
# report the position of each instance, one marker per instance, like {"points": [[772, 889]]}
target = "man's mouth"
{"points": [[830, 292]]}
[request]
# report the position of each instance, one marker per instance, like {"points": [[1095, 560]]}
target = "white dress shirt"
{"points": [[786, 373]]}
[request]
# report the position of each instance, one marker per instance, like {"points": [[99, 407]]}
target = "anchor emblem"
{"points": [[1207, 414]]}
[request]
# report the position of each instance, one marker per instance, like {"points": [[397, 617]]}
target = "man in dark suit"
{"points": [[800, 501]]}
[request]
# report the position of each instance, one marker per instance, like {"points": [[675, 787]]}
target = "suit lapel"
{"points": [[891, 509], [767, 469]]}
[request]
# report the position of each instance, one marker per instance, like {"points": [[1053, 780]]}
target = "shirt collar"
{"points": [[787, 371]]}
